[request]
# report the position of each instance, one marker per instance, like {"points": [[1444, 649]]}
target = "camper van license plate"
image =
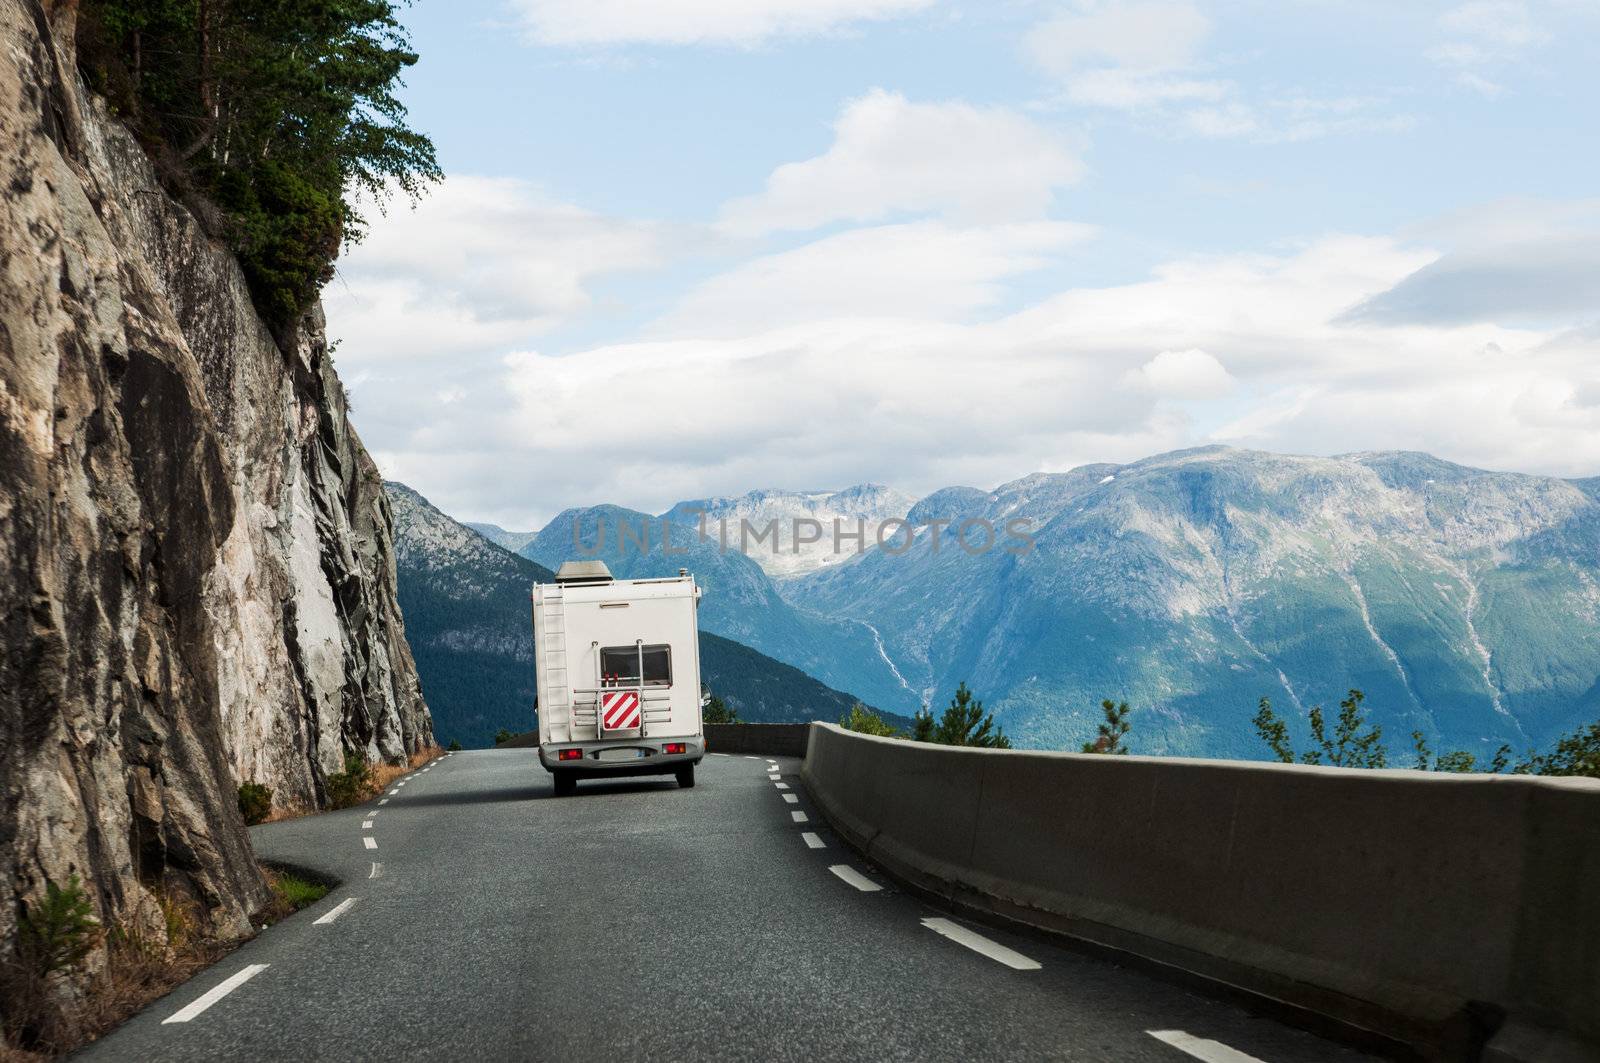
{"points": [[620, 754]]}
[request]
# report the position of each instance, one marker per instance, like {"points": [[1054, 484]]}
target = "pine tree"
{"points": [[1112, 731], [964, 723]]}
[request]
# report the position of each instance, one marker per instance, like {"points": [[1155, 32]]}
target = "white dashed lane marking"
{"points": [[774, 778], [812, 841], [384, 801], [377, 870], [793, 799], [328, 917], [800, 817], [372, 843], [981, 945], [855, 878], [367, 825], [1201, 1048], [234, 982], [781, 785]]}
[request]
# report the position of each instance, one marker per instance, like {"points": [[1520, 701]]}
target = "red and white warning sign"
{"points": [[619, 709]]}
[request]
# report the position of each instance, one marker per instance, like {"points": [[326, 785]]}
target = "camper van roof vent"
{"points": [[583, 572]]}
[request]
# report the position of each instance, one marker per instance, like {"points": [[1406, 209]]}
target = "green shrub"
{"points": [[1574, 754], [863, 720], [255, 801], [1347, 748], [453, 747], [286, 232], [349, 787], [294, 892], [59, 931], [717, 711], [502, 736], [55, 934]]}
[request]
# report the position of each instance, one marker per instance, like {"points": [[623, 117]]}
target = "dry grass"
{"points": [[287, 811], [138, 970], [66, 1014], [379, 778], [385, 774], [17, 1055]]}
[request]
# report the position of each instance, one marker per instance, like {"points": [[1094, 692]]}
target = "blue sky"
{"points": [[804, 243]]}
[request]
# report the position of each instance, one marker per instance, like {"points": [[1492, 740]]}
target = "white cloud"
{"points": [[1190, 374], [926, 270], [891, 156], [1512, 282], [1152, 36], [1516, 261], [1483, 35], [726, 22], [1126, 55], [1148, 57], [1503, 24], [1267, 418], [480, 263], [1252, 345]]}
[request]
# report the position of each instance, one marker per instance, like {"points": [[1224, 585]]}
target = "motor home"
{"points": [[618, 664]]}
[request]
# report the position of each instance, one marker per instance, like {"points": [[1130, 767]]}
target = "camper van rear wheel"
{"points": [[685, 776], [564, 783]]}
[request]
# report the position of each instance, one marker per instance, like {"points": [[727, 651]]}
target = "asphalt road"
{"points": [[484, 919]]}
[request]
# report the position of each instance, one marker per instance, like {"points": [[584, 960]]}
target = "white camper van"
{"points": [[619, 675]]}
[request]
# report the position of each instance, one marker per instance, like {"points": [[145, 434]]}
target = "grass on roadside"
{"points": [[291, 892], [385, 774], [359, 782], [44, 1019]]}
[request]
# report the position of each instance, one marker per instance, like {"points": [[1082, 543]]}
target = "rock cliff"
{"points": [[198, 576]]}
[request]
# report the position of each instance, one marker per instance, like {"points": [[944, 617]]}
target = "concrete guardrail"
{"points": [[1438, 910], [776, 739]]}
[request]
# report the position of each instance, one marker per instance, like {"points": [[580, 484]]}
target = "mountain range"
{"points": [[509, 540], [1465, 603], [742, 602], [468, 618], [862, 509]]}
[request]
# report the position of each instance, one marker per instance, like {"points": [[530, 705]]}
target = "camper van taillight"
{"points": [[675, 747], [570, 754]]}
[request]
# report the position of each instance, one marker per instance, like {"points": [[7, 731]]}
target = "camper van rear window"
{"points": [[620, 664]]}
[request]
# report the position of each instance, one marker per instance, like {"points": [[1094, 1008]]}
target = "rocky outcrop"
{"points": [[198, 578]]}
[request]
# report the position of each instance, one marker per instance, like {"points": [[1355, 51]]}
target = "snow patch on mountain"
{"points": [[840, 525]]}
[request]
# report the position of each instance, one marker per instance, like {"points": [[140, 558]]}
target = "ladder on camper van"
{"points": [[554, 666]]}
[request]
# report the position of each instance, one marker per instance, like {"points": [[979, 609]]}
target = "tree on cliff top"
{"points": [[278, 114]]}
